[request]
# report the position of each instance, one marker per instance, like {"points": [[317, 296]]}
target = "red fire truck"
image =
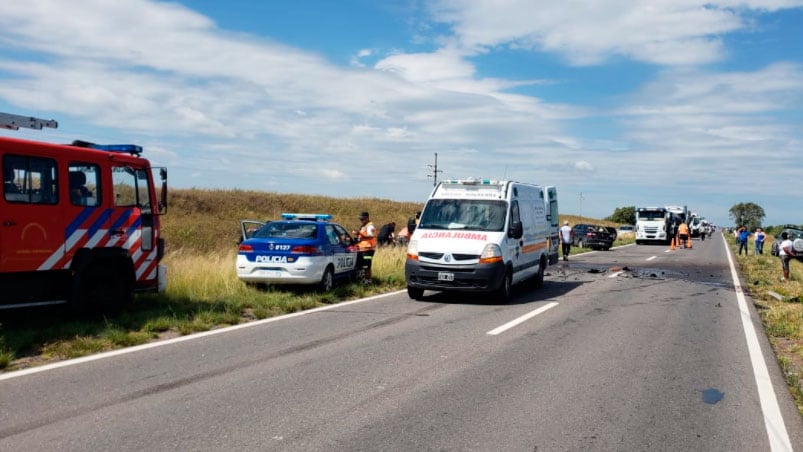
{"points": [[79, 223]]}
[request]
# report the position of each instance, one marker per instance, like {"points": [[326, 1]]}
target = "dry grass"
{"points": [[782, 319], [209, 220]]}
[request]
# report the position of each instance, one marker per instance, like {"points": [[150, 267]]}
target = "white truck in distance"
{"points": [[652, 225]]}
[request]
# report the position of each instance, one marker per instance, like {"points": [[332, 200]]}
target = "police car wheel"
{"points": [[327, 280]]}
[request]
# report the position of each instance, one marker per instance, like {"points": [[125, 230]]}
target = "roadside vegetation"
{"points": [[780, 305], [202, 231]]}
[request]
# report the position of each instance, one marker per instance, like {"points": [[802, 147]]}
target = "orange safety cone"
{"points": [[672, 244], [688, 241]]}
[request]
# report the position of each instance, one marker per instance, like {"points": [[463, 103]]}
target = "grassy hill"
{"points": [[209, 220]]}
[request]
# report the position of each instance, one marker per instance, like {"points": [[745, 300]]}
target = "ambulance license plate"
{"points": [[445, 276]]}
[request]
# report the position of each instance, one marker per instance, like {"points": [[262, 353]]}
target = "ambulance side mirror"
{"points": [[516, 230]]}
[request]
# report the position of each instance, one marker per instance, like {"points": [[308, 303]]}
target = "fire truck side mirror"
{"points": [[163, 199]]}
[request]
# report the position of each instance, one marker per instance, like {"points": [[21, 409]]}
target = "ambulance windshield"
{"points": [[467, 214]]}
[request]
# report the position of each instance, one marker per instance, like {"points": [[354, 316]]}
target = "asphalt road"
{"points": [[631, 349]]}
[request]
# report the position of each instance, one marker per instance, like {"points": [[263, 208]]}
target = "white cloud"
{"points": [[586, 32], [428, 67], [240, 110]]}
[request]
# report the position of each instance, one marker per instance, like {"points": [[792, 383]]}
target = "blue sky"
{"points": [[617, 103]]}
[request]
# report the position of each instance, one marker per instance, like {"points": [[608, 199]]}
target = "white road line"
{"points": [[651, 258], [773, 421], [123, 351], [614, 275], [521, 319]]}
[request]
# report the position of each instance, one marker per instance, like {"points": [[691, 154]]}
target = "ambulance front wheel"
{"points": [[502, 295], [415, 293]]}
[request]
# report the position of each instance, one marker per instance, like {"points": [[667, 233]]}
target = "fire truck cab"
{"points": [[79, 223]]}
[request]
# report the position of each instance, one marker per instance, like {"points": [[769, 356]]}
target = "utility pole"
{"points": [[435, 171]]}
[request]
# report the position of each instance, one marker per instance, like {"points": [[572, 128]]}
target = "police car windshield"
{"points": [[471, 214], [287, 229]]}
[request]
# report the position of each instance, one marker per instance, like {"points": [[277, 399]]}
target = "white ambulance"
{"points": [[483, 236]]}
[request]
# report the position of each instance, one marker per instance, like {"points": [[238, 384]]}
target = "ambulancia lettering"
{"points": [[455, 235]]}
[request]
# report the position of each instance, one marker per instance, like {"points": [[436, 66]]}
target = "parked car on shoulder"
{"points": [[625, 229], [303, 249], [593, 236], [795, 235]]}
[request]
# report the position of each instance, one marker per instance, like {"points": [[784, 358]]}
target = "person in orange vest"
{"points": [[366, 242], [683, 235]]}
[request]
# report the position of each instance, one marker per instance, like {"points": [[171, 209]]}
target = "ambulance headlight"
{"points": [[492, 253], [412, 250]]}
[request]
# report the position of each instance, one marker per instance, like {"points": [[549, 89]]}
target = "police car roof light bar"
{"points": [[307, 216], [14, 122]]}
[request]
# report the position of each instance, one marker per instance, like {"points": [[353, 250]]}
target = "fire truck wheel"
{"points": [[102, 287]]}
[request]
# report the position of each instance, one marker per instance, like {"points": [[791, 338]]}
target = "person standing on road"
{"points": [[742, 236], [366, 243], [785, 252], [386, 234], [684, 236], [566, 239], [760, 236]]}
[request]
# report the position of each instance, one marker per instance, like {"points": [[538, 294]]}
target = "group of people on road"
{"points": [[743, 237], [388, 236], [786, 248], [369, 238]]}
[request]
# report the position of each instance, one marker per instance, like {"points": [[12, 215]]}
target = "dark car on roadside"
{"points": [[593, 236], [795, 235]]}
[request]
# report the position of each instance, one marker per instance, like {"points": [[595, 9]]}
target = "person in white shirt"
{"points": [[785, 252], [566, 239]]}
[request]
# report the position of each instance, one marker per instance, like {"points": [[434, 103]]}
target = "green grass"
{"points": [[783, 320], [203, 293]]}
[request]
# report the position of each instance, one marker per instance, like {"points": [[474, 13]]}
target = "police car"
{"points": [[298, 249]]}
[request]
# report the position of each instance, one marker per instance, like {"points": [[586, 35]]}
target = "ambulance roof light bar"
{"points": [[472, 181], [307, 216], [14, 122]]}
